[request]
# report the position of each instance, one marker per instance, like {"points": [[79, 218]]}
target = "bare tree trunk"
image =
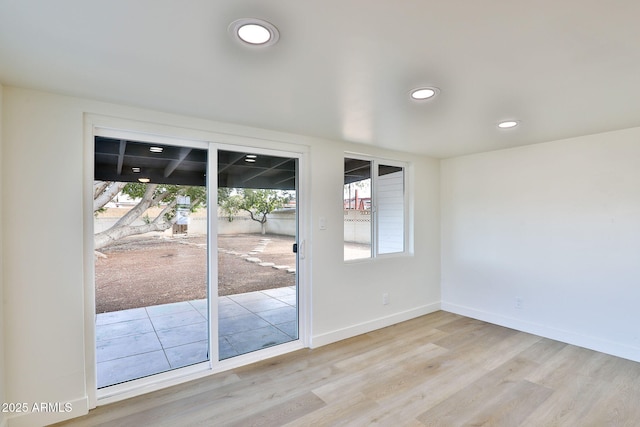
{"points": [[137, 211], [114, 233], [123, 228], [99, 187]]}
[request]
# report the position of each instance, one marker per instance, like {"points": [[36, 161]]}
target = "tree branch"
{"points": [[149, 195], [115, 233], [99, 187], [164, 211], [145, 203], [157, 198], [108, 190], [251, 214]]}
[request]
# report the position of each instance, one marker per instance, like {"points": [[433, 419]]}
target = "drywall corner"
{"points": [[3, 421]]}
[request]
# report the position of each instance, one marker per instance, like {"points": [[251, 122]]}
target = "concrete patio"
{"points": [[144, 341]]}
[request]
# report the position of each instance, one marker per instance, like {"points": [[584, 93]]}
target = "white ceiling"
{"points": [[342, 69]]}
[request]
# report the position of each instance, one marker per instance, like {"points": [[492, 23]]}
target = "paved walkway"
{"points": [[144, 341]]}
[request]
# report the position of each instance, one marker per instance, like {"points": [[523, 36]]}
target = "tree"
{"points": [[258, 203], [149, 195], [104, 192]]}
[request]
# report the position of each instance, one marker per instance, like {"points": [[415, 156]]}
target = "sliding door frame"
{"points": [[303, 307], [97, 125]]}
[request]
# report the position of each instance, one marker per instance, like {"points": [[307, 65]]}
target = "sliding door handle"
{"points": [[299, 249]]}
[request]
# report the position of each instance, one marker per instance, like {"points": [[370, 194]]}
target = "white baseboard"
{"points": [[79, 407], [593, 343], [363, 328]]}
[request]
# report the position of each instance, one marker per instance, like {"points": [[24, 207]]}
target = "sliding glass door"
{"points": [[257, 256], [183, 231], [151, 247]]}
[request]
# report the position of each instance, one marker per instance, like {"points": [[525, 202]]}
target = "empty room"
{"points": [[319, 213]]}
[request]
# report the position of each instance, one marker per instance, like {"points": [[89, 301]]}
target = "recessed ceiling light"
{"points": [[135, 170], [251, 156], [255, 32], [423, 93], [507, 124], [144, 180], [156, 149], [250, 160]]}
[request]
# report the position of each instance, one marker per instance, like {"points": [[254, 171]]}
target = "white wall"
{"points": [[277, 223], [2, 386], [281, 222], [354, 290], [44, 288], [357, 226], [556, 225]]}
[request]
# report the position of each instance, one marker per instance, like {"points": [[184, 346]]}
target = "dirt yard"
{"points": [[141, 271]]}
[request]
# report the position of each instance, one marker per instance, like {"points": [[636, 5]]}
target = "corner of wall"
{"points": [[563, 238], [372, 325], [3, 421]]}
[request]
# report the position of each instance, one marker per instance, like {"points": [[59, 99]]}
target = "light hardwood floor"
{"points": [[438, 370]]}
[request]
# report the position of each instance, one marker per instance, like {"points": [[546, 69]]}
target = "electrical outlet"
{"points": [[519, 303], [385, 299]]}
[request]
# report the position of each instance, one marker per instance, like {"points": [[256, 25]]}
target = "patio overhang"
{"points": [[127, 161]]}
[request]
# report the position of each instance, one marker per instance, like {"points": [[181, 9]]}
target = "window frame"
{"points": [[374, 225]]}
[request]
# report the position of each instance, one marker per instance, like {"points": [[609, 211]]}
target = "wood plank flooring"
{"points": [[438, 370]]}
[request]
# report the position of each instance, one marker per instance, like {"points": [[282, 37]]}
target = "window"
{"points": [[375, 208]]}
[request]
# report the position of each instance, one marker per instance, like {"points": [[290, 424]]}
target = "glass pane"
{"points": [[390, 202], [357, 209], [257, 265], [151, 266]]}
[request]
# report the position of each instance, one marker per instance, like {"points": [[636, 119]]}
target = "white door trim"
{"points": [[98, 125]]}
